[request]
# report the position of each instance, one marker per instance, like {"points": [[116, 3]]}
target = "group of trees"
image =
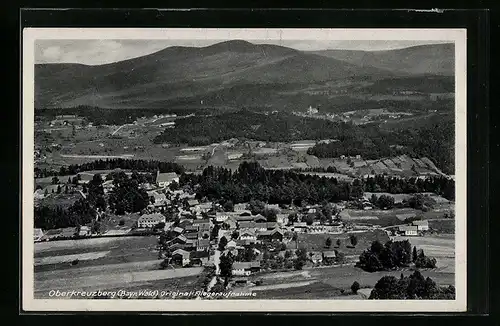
{"points": [[385, 257], [251, 181], [79, 213], [109, 164], [126, 195], [394, 254], [411, 287]]}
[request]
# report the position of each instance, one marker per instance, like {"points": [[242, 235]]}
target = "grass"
{"points": [[316, 242], [443, 226]]}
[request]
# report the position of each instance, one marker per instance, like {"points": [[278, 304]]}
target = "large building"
{"points": [[150, 220], [165, 179]]}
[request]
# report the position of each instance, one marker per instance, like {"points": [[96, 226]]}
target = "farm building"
{"points": [[150, 220], [84, 231], [165, 179], [248, 235], [274, 235], [246, 268], [422, 225], [408, 230], [181, 257]]}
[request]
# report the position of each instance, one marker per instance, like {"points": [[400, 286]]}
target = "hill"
{"points": [[232, 73], [435, 59]]}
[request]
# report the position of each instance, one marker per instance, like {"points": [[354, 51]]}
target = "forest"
{"points": [[435, 141], [246, 124]]}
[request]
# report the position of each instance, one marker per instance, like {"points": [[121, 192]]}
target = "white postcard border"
{"points": [[458, 36]]}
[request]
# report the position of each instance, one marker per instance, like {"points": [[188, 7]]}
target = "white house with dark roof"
{"points": [[165, 179], [422, 225], [150, 220], [409, 230]]}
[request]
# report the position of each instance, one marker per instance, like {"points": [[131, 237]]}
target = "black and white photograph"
{"points": [[244, 169]]}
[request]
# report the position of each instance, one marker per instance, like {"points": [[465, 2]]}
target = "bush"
{"points": [[355, 287], [122, 222]]}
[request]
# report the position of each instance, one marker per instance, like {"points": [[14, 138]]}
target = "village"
{"points": [[258, 237]]}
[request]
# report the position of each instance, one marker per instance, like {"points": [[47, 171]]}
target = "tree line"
{"points": [[110, 164]]}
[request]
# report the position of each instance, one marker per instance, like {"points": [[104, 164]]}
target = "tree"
{"points": [[338, 242], [373, 199], [355, 287], [292, 218], [228, 206], [309, 220], [385, 202], [256, 206], [122, 222], [414, 254], [298, 264], [270, 214], [328, 242], [235, 235], [55, 180], [222, 243], [226, 267], [354, 240], [58, 189]]}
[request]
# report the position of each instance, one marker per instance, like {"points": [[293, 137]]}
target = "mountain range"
{"points": [[238, 73]]}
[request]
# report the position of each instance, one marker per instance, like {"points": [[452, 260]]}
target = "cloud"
{"points": [[52, 53]]}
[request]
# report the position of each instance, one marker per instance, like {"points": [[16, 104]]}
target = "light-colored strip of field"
{"points": [[287, 274], [70, 258], [94, 270], [72, 244], [282, 286], [124, 279], [96, 156]]}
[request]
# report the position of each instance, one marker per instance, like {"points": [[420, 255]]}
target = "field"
{"points": [[126, 263], [316, 242]]}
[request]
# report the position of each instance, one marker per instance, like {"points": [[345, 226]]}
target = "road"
{"points": [[114, 132]]}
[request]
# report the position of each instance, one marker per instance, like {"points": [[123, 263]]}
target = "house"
{"points": [[230, 223], [199, 258], [202, 244], [259, 218], [84, 231], [180, 239], [329, 256], [193, 202], [242, 217], [422, 225], [409, 230], [203, 207], [300, 227], [316, 257], [165, 179], [191, 228], [178, 230], [248, 235], [274, 235], [247, 225], [159, 199], [38, 234], [282, 219], [241, 208], [108, 186], [222, 216], [150, 220], [181, 257], [275, 207], [52, 189], [245, 268]]}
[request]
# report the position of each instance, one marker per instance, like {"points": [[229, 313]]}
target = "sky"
{"points": [[96, 52]]}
